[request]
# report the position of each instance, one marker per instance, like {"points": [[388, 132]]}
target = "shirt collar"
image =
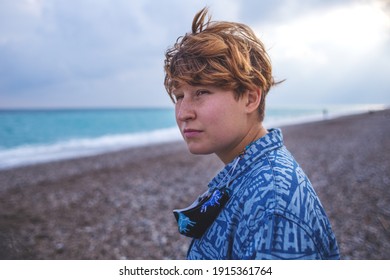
{"points": [[271, 141]]}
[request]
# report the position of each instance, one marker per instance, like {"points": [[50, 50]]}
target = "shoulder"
{"points": [[279, 203], [279, 237]]}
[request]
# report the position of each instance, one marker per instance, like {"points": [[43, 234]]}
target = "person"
{"points": [[261, 205]]}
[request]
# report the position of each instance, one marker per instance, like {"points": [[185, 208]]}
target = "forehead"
{"points": [[183, 87], [193, 88]]}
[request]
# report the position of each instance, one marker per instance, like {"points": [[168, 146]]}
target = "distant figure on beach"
{"points": [[260, 205], [325, 114]]}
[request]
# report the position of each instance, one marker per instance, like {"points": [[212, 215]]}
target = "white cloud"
{"points": [[351, 30], [323, 52]]}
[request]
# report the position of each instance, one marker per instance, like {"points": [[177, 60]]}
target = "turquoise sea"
{"points": [[33, 136]]}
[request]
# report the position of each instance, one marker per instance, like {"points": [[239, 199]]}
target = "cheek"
{"points": [[212, 115], [221, 120], [177, 112]]}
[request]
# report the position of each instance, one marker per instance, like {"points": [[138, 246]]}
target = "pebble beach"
{"points": [[119, 205]]}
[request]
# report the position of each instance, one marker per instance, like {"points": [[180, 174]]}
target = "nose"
{"points": [[185, 110]]}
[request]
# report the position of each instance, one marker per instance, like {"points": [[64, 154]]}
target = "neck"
{"points": [[252, 135]]}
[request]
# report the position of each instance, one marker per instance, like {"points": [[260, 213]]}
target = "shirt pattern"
{"points": [[273, 212]]}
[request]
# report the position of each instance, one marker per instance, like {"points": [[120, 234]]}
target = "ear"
{"points": [[253, 98]]}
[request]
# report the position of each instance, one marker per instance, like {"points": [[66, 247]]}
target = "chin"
{"points": [[199, 150]]}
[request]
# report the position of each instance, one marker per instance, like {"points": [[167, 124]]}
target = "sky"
{"points": [[110, 53]]}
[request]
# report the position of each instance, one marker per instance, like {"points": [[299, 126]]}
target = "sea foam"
{"points": [[31, 154]]}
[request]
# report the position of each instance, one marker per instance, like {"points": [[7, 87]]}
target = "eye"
{"points": [[201, 92], [176, 97]]}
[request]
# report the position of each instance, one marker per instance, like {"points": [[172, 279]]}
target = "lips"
{"points": [[191, 133]]}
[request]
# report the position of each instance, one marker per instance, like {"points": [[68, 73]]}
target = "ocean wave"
{"points": [[32, 154]]}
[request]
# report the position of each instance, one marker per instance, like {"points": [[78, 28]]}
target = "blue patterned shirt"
{"points": [[273, 212]]}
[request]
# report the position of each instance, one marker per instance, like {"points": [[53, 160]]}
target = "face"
{"points": [[211, 120]]}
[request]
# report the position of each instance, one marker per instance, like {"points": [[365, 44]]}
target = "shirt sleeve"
{"points": [[275, 237]]}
